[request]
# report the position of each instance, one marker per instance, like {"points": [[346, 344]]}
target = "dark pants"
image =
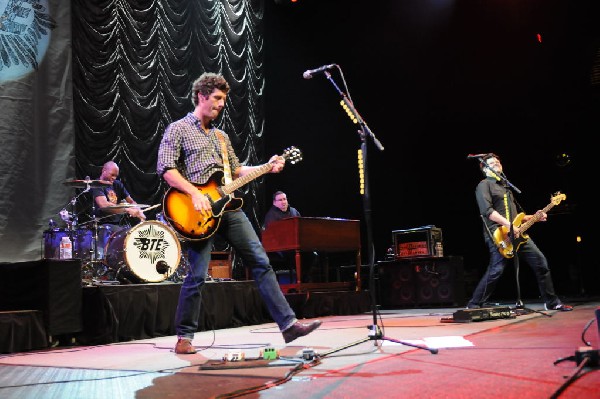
{"points": [[528, 252], [238, 231]]}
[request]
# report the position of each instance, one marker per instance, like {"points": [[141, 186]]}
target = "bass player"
{"points": [[498, 211]]}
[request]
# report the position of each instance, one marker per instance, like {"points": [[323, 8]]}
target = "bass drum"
{"points": [[146, 253]]}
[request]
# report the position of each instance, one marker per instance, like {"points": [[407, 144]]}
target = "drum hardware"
{"points": [[181, 271], [87, 183], [92, 267], [123, 273], [53, 235], [94, 242]]}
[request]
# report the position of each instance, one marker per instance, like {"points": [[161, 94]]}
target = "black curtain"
{"points": [[133, 65]]}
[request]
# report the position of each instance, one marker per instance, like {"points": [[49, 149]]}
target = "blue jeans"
{"points": [[238, 231], [531, 254]]}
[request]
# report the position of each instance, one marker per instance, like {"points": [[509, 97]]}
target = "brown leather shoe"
{"points": [[298, 330], [184, 347]]}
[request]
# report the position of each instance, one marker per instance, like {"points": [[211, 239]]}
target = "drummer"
{"points": [[114, 194]]}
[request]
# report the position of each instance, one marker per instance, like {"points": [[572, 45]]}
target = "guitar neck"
{"points": [[536, 217], [239, 182]]}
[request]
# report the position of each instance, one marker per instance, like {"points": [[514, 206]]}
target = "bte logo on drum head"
{"points": [[151, 244]]}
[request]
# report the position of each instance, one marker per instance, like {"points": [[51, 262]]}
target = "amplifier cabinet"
{"points": [[220, 264], [417, 242], [422, 282]]}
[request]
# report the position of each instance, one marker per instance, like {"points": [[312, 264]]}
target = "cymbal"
{"points": [[86, 183], [122, 208]]}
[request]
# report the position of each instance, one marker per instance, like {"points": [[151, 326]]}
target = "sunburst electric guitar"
{"points": [[193, 225], [508, 247]]}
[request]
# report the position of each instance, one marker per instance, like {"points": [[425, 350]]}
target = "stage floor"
{"points": [[513, 357]]}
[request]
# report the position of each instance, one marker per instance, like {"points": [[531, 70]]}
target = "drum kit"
{"points": [[148, 252]]}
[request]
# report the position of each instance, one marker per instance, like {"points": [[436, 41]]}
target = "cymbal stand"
{"points": [[90, 270], [98, 266], [71, 219]]}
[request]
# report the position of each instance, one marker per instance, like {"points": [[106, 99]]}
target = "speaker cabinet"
{"points": [[52, 286], [60, 285], [422, 282], [397, 284]]}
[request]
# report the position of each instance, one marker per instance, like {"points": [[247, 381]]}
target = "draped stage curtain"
{"points": [[133, 64]]}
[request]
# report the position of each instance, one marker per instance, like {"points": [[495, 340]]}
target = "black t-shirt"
{"points": [[113, 194]]}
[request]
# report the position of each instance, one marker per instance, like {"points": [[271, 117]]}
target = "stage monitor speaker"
{"points": [[422, 282], [50, 285], [62, 296]]}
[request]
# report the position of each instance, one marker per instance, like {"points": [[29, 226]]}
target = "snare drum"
{"points": [[146, 253]]}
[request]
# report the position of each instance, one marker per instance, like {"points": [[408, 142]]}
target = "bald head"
{"points": [[110, 171]]}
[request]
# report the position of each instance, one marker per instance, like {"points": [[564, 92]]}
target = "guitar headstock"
{"points": [[292, 154], [557, 197]]}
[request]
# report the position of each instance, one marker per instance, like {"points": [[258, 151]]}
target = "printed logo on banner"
{"points": [[25, 27]]}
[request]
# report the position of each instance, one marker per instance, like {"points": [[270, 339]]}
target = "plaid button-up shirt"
{"points": [[192, 151]]}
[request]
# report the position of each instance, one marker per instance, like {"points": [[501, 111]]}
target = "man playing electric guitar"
{"points": [[191, 152], [497, 208]]}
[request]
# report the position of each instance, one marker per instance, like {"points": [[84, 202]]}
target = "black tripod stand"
{"points": [[375, 332]]}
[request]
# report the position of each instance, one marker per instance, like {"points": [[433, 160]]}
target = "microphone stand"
{"points": [[520, 308], [375, 332]]}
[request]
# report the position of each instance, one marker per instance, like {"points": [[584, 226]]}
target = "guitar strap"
{"points": [[226, 168]]}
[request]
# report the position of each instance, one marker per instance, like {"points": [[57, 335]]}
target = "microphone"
{"points": [[476, 155], [309, 73], [162, 267]]}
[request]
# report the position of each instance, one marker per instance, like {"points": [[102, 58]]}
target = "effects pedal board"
{"points": [[482, 314]]}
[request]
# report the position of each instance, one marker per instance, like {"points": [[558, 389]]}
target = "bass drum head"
{"points": [[146, 253]]}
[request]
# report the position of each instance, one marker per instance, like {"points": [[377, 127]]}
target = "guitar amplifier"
{"points": [[220, 264], [417, 242]]}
